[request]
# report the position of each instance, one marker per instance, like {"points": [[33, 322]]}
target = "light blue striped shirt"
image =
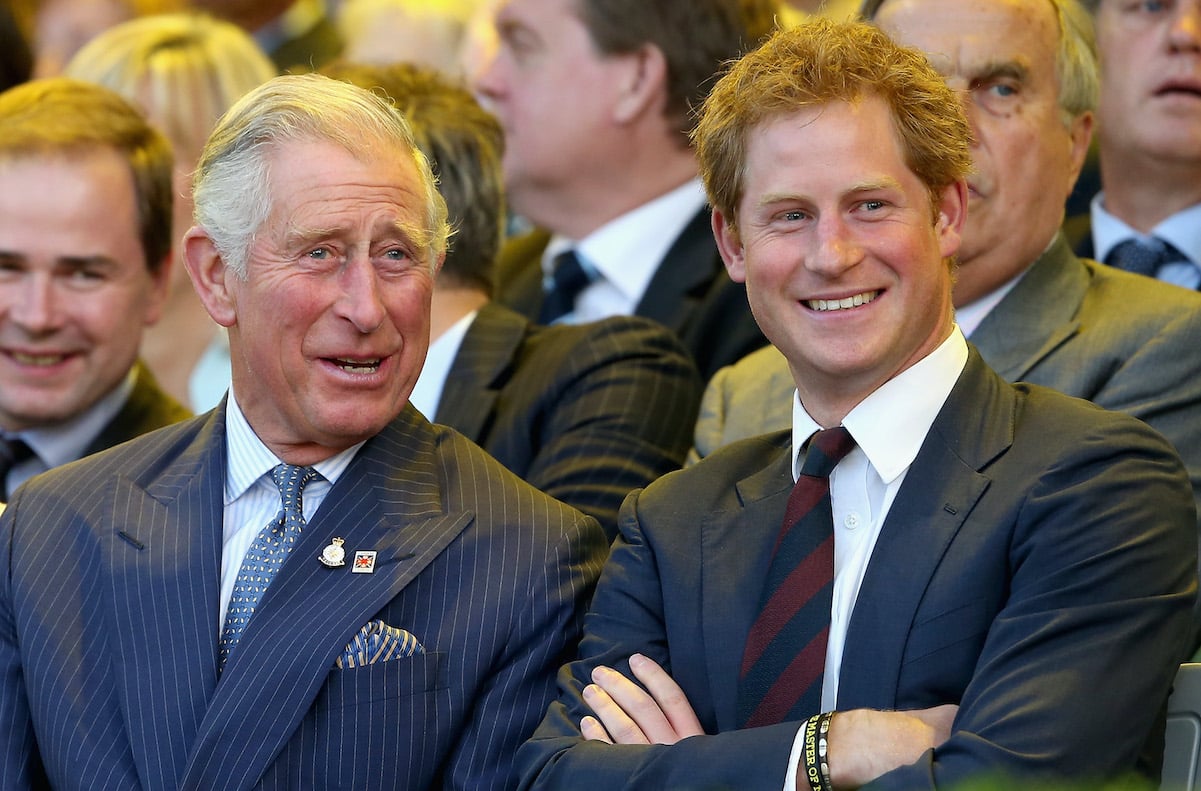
{"points": [[251, 497]]}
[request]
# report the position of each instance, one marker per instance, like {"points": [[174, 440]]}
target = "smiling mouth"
{"points": [[357, 366], [44, 360], [825, 305]]}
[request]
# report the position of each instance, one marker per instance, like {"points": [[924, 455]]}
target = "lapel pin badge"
{"points": [[364, 562], [333, 555]]}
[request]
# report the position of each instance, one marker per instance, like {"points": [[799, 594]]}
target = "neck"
{"points": [[449, 304], [1144, 192], [577, 209], [172, 347]]}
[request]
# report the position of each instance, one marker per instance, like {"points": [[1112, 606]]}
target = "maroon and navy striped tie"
{"points": [[785, 654]]}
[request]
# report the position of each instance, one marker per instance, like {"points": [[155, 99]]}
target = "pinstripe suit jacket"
{"points": [[584, 412], [109, 621], [690, 293]]}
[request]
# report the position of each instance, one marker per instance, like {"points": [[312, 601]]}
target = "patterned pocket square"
{"points": [[378, 642]]}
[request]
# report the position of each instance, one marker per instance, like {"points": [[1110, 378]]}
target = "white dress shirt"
{"points": [[1182, 230], [251, 497], [427, 393], [623, 255], [56, 445], [889, 427]]}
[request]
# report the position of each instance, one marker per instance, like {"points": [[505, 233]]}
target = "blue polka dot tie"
{"points": [[266, 554]]}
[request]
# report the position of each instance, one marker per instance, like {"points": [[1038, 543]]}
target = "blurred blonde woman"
{"points": [[184, 71]]}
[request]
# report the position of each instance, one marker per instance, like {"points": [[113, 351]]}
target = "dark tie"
{"points": [[266, 554], [569, 279], [12, 452], [1143, 257], [785, 654]]}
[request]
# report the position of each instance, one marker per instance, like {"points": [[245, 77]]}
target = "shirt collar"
{"points": [[891, 424], [627, 251], [1182, 230], [65, 442], [248, 459]]}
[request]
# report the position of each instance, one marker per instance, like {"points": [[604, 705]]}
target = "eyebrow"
{"points": [[875, 185], [987, 72]]}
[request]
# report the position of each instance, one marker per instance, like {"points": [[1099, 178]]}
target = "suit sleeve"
{"points": [[545, 632], [1159, 384], [627, 616], [1077, 665], [20, 765], [624, 418]]}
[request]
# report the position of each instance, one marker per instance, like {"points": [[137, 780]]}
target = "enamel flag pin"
{"points": [[364, 562], [333, 555]]}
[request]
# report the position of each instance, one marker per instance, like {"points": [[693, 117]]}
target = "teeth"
{"points": [[358, 366], [842, 304], [38, 359]]}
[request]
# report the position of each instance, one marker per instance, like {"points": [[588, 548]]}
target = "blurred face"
{"points": [[1151, 78], [1000, 56], [329, 330], [842, 257], [75, 291], [553, 93]]}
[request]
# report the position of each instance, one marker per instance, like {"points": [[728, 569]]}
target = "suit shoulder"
{"points": [[473, 479], [131, 459], [713, 483], [1137, 296], [1060, 420]]}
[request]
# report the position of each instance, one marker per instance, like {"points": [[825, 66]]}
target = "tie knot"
{"points": [[291, 481], [1143, 257], [568, 279], [825, 449], [13, 451]]}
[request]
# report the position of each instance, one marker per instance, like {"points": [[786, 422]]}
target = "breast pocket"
{"points": [[396, 678], [942, 651]]}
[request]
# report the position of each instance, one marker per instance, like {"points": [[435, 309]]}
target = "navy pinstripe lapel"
{"points": [[388, 500], [163, 548], [943, 485]]}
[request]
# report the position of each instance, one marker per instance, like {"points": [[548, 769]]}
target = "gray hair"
{"points": [[1076, 68], [231, 187]]}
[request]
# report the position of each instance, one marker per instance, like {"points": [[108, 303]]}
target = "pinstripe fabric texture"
{"points": [[109, 600], [584, 412]]}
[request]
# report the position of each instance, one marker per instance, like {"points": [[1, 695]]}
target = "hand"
{"points": [[864, 744], [627, 714]]}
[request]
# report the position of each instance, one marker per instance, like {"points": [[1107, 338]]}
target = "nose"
{"points": [[361, 303], [33, 304], [1185, 33], [835, 250], [487, 78]]}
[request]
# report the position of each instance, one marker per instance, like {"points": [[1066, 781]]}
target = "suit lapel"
{"points": [[1037, 316], [683, 277], [731, 575], [943, 485], [389, 501], [488, 352], [164, 557]]}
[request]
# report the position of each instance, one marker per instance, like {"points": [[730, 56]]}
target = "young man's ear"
{"points": [[210, 275], [729, 244], [952, 214]]}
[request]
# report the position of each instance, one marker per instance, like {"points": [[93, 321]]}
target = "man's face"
{"points": [[554, 93], [1000, 54], [329, 330], [1151, 79], [75, 291], [842, 256]]}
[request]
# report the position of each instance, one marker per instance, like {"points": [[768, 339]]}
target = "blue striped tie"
{"points": [[266, 554]]}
